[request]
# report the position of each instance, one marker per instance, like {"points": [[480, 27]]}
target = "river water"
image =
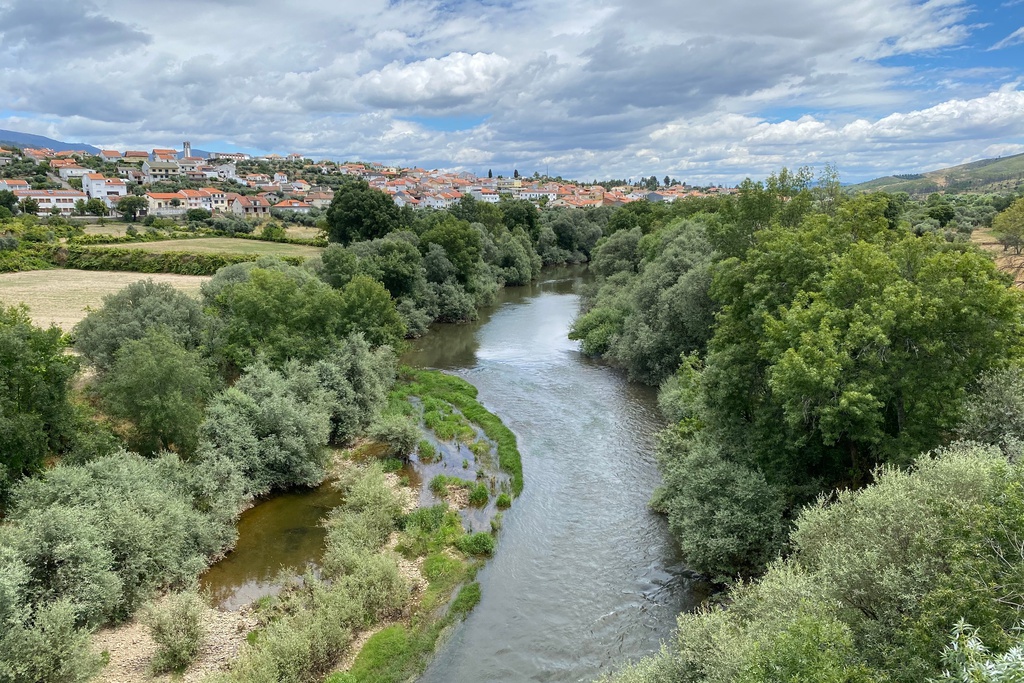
{"points": [[585, 577]]}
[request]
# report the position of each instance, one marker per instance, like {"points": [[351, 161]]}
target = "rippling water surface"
{"points": [[585, 577]]}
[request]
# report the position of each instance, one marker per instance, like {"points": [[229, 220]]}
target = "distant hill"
{"points": [[12, 137], [1005, 174]]}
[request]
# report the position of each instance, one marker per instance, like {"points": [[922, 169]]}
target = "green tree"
{"points": [[359, 212], [281, 312], [519, 213], [80, 207], [129, 206], [366, 307], [1008, 227], [8, 200], [36, 417], [161, 387], [461, 244], [96, 207], [29, 206], [131, 313], [394, 261]]}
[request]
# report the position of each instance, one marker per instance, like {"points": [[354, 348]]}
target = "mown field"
{"points": [[61, 297], [220, 245], [118, 229], [115, 229]]}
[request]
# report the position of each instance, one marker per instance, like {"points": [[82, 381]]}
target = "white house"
{"points": [[110, 190], [166, 204], [68, 172], [51, 199], [293, 205], [160, 170]]}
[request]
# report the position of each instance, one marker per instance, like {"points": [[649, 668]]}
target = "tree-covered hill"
{"points": [[1004, 174]]}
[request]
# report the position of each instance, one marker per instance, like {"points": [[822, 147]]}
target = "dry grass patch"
{"points": [[221, 245], [61, 297], [1005, 259], [303, 232]]}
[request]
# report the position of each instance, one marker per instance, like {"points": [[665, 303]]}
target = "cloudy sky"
{"points": [[703, 91]]}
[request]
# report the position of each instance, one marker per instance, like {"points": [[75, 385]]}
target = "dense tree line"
{"points": [[807, 342], [223, 401], [444, 264]]}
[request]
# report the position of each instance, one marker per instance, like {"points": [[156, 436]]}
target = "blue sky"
{"points": [[704, 92]]}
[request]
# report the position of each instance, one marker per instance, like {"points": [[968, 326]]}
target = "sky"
{"points": [[701, 91]]}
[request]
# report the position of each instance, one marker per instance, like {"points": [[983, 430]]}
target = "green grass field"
{"points": [[220, 245], [61, 297]]}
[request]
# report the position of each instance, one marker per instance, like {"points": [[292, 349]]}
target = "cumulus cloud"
{"points": [[445, 83], [585, 87]]}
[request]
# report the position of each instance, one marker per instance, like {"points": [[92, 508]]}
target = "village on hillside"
{"points": [[172, 182]]}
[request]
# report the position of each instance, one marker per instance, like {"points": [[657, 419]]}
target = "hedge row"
{"points": [[143, 236], [141, 261], [314, 242], [17, 260]]}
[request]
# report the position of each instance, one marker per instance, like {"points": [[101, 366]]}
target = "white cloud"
{"points": [[1015, 38], [589, 87], [444, 83]]}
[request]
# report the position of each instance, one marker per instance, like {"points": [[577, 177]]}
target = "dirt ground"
{"points": [[131, 648], [61, 297], [1006, 260]]}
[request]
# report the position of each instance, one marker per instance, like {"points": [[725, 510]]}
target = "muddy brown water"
{"points": [[585, 577], [282, 532]]}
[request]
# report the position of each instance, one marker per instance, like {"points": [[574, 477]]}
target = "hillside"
{"points": [[13, 137], [1005, 174]]}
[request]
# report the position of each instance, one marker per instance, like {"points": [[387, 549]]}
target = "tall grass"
{"points": [[431, 384]]}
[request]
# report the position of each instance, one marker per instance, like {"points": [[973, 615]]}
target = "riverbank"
{"points": [[397, 565]]}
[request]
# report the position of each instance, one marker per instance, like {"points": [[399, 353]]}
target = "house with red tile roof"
{"points": [[250, 207], [13, 184], [293, 205], [110, 190], [166, 204]]}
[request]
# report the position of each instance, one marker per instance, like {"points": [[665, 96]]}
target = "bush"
{"points": [[50, 649], [108, 533], [398, 432], [177, 628], [504, 501], [477, 544], [479, 495], [427, 452], [273, 425], [132, 312]]}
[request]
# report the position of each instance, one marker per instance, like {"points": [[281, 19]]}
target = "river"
{"points": [[585, 577]]}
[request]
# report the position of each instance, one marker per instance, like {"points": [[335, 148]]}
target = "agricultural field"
{"points": [[303, 232], [115, 229], [61, 297], [220, 245]]}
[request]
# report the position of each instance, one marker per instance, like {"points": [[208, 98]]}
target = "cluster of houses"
{"points": [[414, 187]]}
